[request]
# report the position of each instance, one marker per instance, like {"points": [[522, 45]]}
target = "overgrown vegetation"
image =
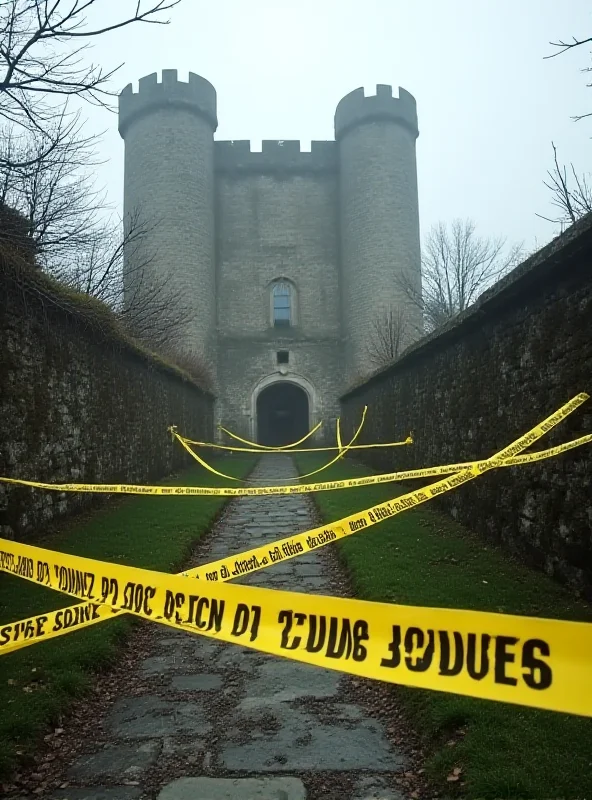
{"points": [[423, 558], [38, 683], [37, 287], [48, 166]]}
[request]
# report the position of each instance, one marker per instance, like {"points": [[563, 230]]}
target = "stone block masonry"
{"points": [[522, 350], [79, 403], [197, 718], [338, 224]]}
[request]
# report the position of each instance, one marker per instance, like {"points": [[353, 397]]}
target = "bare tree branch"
{"points": [[147, 304], [564, 47], [567, 45], [388, 336], [53, 191], [37, 63], [570, 193], [457, 266]]}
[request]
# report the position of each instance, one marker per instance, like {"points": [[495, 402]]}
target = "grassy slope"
{"points": [[421, 557], [38, 682]]}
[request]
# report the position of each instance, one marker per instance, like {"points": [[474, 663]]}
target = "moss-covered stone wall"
{"points": [[79, 402], [520, 352]]}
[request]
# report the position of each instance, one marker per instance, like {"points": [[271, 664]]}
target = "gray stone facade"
{"points": [[335, 225]]}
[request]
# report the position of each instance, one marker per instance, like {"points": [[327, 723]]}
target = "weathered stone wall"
{"points": [[520, 352], [79, 404], [379, 218], [169, 191], [340, 221], [282, 224]]}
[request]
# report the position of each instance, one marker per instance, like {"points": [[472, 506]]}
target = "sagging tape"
{"points": [[259, 558], [306, 488], [342, 451], [528, 661], [257, 450], [267, 448]]}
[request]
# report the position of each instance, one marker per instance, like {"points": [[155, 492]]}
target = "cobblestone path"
{"points": [[214, 721]]}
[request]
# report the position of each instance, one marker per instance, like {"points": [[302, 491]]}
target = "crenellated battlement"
{"points": [[197, 96], [356, 108], [275, 156]]}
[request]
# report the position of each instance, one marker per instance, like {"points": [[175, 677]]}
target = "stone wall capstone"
{"points": [[521, 351], [80, 404]]}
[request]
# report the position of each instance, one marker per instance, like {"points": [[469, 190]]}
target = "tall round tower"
{"points": [[168, 131], [379, 220]]}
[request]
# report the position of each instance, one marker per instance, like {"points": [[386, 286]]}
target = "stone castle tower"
{"points": [[287, 259]]}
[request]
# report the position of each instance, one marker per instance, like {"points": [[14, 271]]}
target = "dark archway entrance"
{"points": [[282, 414]]}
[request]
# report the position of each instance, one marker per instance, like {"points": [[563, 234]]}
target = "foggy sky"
{"points": [[488, 103]]}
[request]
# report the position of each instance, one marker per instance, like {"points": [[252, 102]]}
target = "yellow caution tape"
{"points": [[266, 448], [342, 452], [306, 488], [265, 555], [25, 632], [338, 432], [205, 463], [407, 441], [543, 663]]}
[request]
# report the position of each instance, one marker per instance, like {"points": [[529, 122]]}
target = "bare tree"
{"points": [[146, 303], [563, 47], [43, 44], [457, 266], [388, 335], [73, 240], [570, 193], [54, 192], [45, 160]]}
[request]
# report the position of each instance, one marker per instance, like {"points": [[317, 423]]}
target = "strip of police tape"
{"points": [[29, 631], [407, 441], [529, 661], [306, 488], [342, 451], [211, 445], [267, 448]]}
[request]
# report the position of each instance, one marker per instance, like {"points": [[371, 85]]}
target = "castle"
{"points": [[288, 258]]}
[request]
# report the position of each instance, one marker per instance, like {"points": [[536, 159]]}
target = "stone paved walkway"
{"points": [[229, 722]]}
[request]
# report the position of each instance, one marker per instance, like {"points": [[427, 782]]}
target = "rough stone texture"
{"points": [[77, 404], [234, 789], [97, 793], [338, 222], [375, 788], [257, 726], [523, 350], [169, 181], [270, 227], [149, 717], [196, 683], [379, 222], [121, 762]]}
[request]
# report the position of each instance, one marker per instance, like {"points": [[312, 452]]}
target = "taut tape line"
{"points": [[522, 660], [306, 488], [407, 441], [24, 632]]}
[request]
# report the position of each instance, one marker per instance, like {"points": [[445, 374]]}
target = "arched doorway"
{"points": [[282, 414]]}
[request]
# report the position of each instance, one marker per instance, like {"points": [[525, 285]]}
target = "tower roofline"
{"points": [[275, 156], [357, 109], [197, 96]]}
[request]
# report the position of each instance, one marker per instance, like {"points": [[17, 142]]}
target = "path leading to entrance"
{"points": [[213, 721]]}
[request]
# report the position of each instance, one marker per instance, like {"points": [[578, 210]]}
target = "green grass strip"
{"points": [[422, 557], [38, 683]]}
